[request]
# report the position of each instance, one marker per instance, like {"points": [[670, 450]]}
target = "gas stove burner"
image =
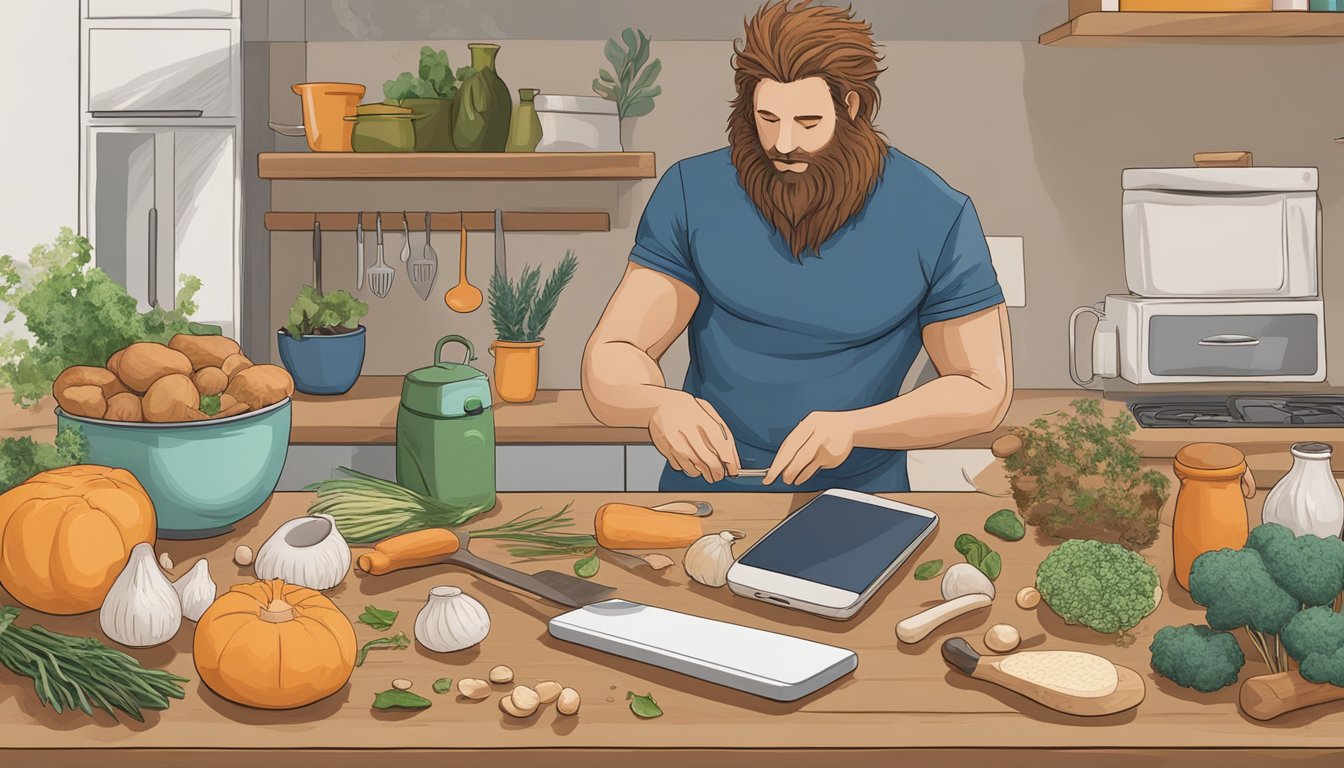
{"points": [[1241, 411]]}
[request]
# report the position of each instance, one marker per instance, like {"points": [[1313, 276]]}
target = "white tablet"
{"points": [[832, 554]]}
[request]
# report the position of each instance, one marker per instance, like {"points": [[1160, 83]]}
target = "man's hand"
{"points": [[822, 440], [694, 438]]}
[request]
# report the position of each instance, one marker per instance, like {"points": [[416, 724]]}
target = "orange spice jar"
{"points": [[1210, 505]]}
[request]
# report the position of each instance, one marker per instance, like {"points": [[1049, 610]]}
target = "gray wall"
{"points": [[1037, 136]]}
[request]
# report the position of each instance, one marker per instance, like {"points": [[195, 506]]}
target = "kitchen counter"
{"points": [[902, 705], [367, 415]]}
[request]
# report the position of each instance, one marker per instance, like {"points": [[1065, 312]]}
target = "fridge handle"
{"points": [[154, 257]]}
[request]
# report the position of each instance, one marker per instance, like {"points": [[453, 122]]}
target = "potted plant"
{"points": [[520, 311], [431, 97], [322, 345], [631, 87]]}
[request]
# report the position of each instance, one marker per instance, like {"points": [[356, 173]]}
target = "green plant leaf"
{"points": [[647, 76], [927, 570], [614, 55], [443, 685], [587, 567], [550, 295], [631, 42], [399, 642], [639, 107], [991, 565], [377, 618], [606, 77], [643, 706], [973, 549], [394, 699], [1005, 525]]}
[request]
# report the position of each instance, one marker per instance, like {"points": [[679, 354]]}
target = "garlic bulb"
{"points": [[451, 621], [708, 559], [195, 590], [307, 551], [141, 609]]}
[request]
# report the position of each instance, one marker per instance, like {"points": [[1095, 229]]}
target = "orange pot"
{"points": [[517, 365], [1210, 505], [325, 107]]}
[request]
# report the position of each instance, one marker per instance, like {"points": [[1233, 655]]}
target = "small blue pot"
{"points": [[323, 365]]}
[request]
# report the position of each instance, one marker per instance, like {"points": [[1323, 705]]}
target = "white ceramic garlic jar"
{"points": [[1307, 499]]}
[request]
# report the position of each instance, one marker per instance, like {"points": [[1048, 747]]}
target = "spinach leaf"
{"points": [[394, 699], [443, 685], [587, 567], [643, 706], [928, 570], [377, 618]]}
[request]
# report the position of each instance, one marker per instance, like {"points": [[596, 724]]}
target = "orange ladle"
{"points": [[463, 297]]}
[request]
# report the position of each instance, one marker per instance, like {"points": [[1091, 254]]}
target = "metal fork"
{"points": [[425, 267], [380, 275]]}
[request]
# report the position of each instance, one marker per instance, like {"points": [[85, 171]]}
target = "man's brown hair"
{"points": [[787, 41]]}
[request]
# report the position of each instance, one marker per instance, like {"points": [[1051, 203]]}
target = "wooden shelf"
{"points": [[521, 166], [477, 221], [1120, 27]]}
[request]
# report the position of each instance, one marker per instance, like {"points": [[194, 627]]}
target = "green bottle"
{"points": [[483, 105], [525, 130]]}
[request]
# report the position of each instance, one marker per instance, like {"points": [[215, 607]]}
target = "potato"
{"points": [[204, 351], [124, 406], [261, 385], [172, 398], [235, 363], [233, 410], [144, 363], [210, 380], [86, 400], [114, 361], [85, 375]]}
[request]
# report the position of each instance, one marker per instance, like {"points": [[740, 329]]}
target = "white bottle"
{"points": [[1307, 499]]}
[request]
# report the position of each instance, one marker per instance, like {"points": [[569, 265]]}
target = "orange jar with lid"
{"points": [[1210, 505]]}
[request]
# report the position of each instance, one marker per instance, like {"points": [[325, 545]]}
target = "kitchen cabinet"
{"points": [[162, 202], [151, 67], [182, 9]]}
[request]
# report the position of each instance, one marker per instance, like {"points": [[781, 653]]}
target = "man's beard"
{"points": [[808, 207]]}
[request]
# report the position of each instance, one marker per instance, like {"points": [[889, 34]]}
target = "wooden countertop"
{"points": [[902, 705], [367, 415]]}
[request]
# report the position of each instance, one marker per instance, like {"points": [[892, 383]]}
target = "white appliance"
{"points": [[1156, 341], [1223, 265], [1221, 232]]}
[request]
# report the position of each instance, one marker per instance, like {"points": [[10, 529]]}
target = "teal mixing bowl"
{"points": [[202, 476]]}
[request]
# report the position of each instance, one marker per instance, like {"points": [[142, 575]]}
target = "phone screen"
{"points": [[839, 542]]}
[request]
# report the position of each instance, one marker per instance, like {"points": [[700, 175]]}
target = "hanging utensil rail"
{"points": [[476, 221]]}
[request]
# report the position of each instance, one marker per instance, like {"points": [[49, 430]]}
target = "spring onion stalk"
{"points": [[70, 673], [369, 509]]}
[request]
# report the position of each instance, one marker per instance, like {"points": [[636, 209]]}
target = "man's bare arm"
{"points": [[620, 375], [974, 358]]}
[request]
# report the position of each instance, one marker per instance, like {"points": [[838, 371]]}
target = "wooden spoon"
{"points": [[463, 297]]}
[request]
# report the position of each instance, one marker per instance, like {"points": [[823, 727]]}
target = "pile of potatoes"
{"points": [[153, 382]]}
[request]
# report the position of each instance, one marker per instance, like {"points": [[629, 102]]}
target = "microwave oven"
{"points": [[1221, 232], [1154, 341]]}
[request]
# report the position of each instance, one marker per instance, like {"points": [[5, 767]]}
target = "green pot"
{"points": [[433, 123], [525, 129], [484, 105], [383, 133]]}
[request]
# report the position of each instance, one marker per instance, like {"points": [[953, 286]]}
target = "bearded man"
{"points": [[808, 261]]}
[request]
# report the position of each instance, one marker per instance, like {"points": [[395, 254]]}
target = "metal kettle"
{"points": [[446, 432]]}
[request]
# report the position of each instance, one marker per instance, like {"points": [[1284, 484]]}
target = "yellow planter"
{"points": [[517, 365]]}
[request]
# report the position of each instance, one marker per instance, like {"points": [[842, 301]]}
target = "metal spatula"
{"points": [[380, 275], [425, 267], [441, 545]]}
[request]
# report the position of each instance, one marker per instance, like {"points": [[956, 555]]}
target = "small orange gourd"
{"points": [[66, 534], [273, 645]]}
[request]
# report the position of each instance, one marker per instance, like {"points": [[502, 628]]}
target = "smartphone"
{"points": [[832, 554]]}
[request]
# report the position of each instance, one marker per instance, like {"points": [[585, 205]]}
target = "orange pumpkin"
{"points": [[66, 534], [273, 645]]}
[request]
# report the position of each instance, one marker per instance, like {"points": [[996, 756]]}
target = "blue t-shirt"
{"points": [[774, 339]]}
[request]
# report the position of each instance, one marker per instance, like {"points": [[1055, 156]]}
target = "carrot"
{"points": [[409, 550], [626, 526]]}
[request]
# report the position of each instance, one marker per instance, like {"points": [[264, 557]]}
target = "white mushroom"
{"points": [[965, 579], [964, 589]]}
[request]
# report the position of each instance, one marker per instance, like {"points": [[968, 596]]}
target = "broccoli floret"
{"points": [[1315, 638], [1197, 657], [1099, 585], [1309, 568], [1237, 590]]}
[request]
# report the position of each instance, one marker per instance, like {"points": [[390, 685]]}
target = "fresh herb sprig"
{"points": [[369, 509], [397, 642], [81, 673]]}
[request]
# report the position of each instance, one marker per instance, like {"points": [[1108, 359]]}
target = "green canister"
{"points": [[446, 432]]}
